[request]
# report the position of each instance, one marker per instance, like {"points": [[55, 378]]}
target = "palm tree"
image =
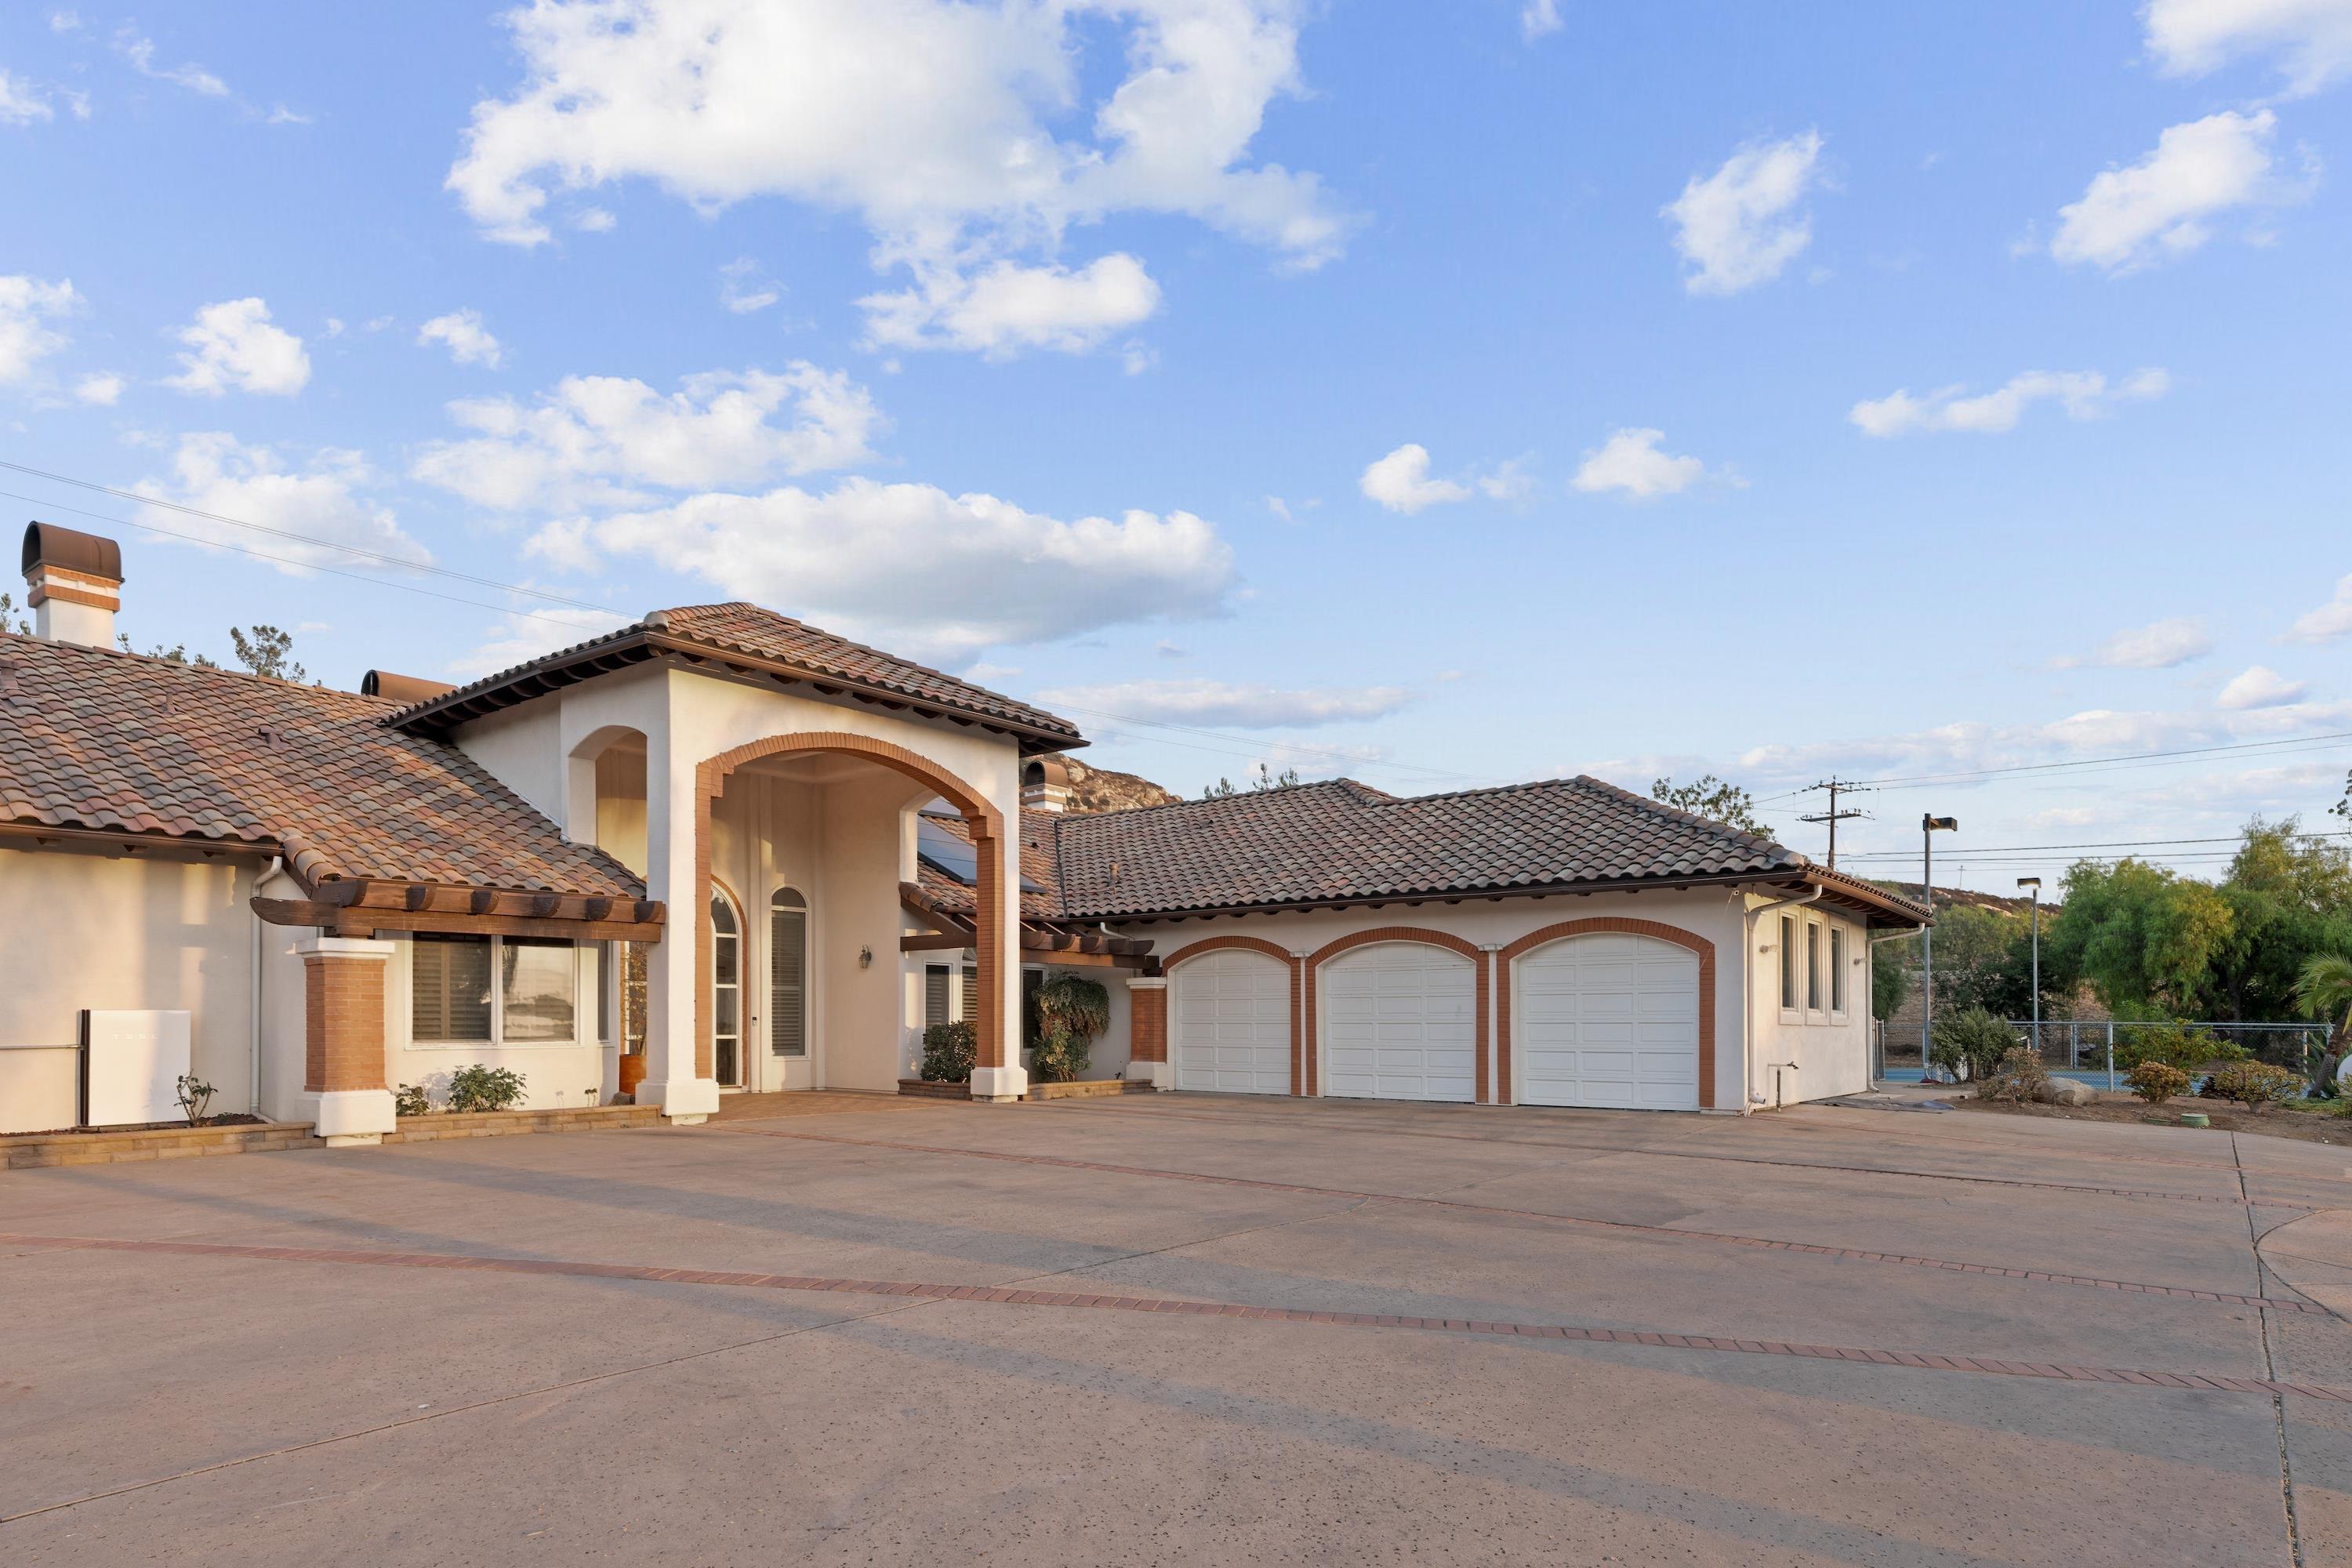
{"points": [[2323, 990]]}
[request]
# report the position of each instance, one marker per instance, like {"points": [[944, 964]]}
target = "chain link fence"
{"points": [[2088, 1048]]}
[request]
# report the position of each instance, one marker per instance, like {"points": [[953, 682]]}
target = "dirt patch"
{"points": [[233, 1119], [2310, 1127]]}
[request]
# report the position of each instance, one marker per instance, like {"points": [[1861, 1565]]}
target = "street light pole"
{"points": [[2035, 883], [1928, 827]]}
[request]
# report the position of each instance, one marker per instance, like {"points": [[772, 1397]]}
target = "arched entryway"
{"points": [[992, 940]]}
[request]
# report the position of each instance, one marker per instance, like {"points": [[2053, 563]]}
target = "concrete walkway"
{"points": [[1192, 1329]]}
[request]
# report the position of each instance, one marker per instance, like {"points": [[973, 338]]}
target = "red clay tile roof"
{"points": [[757, 634], [94, 739], [1344, 842]]}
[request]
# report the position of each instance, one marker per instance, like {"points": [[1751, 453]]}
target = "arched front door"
{"points": [[788, 992], [726, 990]]}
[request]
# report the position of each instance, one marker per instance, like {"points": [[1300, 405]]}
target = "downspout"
{"points": [[253, 1013], [1750, 1098]]}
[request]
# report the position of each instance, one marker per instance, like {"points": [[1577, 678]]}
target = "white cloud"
{"points": [[742, 288], [1231, 706], [2329, 621], [21, 102], [140, 50], [1004, 308], [1401, 481], [101, 388], [597, 439], [2168, 202], [463, 335], [2083, 395], [522, 636], [213, 472], [1631, 461], [281, 115], [909, 566], [594, 220], [2261, 686], [961, 135], [234, 345], [2160, 645], [2310, 40], [29, 309], [1741, 225], [1538, 17]]}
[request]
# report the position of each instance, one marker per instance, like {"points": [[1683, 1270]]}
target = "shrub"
{"points": [[2174, 1044], [481, 1088], [2017, 1075], [194, 1095], [1971, 1042], [1071, 1010], [949, 1052], [2157, 1082], [410, 1099], [2255, 1084]]}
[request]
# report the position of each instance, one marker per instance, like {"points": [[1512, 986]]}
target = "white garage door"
{"points": [[1231, 1029], [1400, 1022], [1608, 1020]]}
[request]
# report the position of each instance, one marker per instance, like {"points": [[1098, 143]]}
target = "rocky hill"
{"points": [[1096, 789]]}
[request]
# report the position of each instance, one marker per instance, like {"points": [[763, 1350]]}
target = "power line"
{"points": [[2280, 745], [2102, 844]]}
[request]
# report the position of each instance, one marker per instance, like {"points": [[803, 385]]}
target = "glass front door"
{"points": [[726, 991]]}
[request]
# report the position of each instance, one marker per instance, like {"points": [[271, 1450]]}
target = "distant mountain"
{"points": [[1096, 789]]}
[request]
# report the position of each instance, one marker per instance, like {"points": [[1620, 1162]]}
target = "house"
{"points": [[721, 849]]}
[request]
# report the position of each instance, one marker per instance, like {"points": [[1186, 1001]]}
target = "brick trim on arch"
{"points": [[982, 820], [1281, 955], [1623, 926], [1312, 965]]}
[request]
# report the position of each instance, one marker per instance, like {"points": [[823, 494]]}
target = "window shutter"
{"points": [[449, 987], [970, 993], [935, 994], [788, 975]]}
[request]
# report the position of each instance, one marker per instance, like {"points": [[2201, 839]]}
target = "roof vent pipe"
{"points": [[405, 689], [75, 582], [1044, 785]]}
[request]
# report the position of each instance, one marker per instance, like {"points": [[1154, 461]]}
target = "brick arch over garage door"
{"points": [[1281, 955], [984, 823], [1446, 940], [1623, 927]]}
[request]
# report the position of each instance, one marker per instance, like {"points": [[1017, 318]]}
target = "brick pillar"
{"points": [[343, 1036], [1147, 1031]]}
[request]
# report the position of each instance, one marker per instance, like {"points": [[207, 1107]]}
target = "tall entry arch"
{"points": [[992, 941]]}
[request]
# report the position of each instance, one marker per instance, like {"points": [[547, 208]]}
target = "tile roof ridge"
{"points": [[1319, 786], [187, 667], [1660, 808]]}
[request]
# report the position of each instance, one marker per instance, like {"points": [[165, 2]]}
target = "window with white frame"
{"points": [[485, 990], [1837, 969], [1787, 963], [1812, 966]]}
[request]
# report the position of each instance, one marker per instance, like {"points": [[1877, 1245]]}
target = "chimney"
{"points": [[76, 584], [1044, 785]]}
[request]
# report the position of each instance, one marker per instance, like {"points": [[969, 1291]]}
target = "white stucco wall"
{"points": [[98, 929], [1824, 1052], [1831, 1054]]}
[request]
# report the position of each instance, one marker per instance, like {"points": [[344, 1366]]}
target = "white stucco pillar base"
{"points": [[684, 1100], [997, 1085], [1156, 1074], [348, 1117]]}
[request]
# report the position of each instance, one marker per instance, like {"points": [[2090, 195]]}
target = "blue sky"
{"points": [[1909, 391]]}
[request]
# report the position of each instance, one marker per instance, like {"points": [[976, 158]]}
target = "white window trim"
{"points": [[1787, 965], [1841, 938], [583, 955], [1812, 979]]}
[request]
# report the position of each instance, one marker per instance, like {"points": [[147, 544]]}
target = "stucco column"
{"points": [[343, 1036], [678, 872], [996, 947], [1147, 1030]]}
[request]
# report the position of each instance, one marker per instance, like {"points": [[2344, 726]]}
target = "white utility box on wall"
{"points": [[131, 1066]]}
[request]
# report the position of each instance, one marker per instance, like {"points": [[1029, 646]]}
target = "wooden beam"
{"points": [[346, 921], [935, 941]]}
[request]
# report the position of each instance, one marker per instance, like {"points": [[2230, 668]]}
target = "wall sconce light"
{"points": [[864, 958]]}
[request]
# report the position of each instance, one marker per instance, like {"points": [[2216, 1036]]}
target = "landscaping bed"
{"points": [[2279, 1121]]}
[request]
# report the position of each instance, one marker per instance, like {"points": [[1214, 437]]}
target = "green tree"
{"points": [[2323, 990], [1973, 948], [1710, 797], [176, 654], [1890, 982], [268, 651], [1263, 779], [10, 621], [2290, 897], [2141, 936]]}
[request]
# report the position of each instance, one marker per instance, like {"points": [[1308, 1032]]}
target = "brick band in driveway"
{"points": [[1007, 1295], [1628, 1227]]}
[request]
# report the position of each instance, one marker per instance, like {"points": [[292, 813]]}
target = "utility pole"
{"points": [[1929, 825], [1836, 786]]}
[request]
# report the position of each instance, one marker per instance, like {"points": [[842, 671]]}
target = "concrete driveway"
{"points": [[1189, 1328]]}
